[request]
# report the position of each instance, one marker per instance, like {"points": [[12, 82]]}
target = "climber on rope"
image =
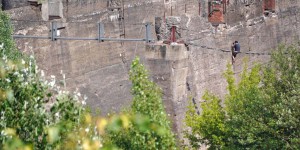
{"points": [[235, 48]]}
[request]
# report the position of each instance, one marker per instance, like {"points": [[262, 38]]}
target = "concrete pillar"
{"points": [[45, 13], [168, 67], [52, 9]]}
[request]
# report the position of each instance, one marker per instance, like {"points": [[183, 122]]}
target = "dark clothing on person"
{"points": [[234, 54], [237, 47]]}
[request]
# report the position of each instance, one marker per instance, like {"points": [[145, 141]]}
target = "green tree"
{"points": [[28, 103], [147, 101], [260, 112], [282, 86], [210, 125]]}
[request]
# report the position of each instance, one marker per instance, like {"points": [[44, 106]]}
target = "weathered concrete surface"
{"points": [[168, 65], [100, 70]]}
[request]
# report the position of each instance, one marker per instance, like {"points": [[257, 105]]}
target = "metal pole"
{"points": [[123, 11], [100, 36], [53, 31], [100, 32], [224, 6], [199, 7], [173, 37], [209, 9], [75, 38], [148, 32], [113, 39], [31, 36]]}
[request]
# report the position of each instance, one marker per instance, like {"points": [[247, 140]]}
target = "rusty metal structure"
{"points": [[216, 11], [269, 5]]}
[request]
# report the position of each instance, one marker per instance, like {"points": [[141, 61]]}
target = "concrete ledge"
{"points": [[166, 52]]}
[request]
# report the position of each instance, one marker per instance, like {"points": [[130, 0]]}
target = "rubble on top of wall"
{"points": [[173, 21], [163, 28], [254, 21]]}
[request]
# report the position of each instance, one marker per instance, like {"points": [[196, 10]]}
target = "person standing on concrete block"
{"points": [[235, 48]]}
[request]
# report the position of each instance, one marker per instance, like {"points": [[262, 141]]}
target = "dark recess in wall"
{"points": [[5, 4], [9, 4]]}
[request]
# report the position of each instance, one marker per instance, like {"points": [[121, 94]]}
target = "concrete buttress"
{"points": [[168, 66]]}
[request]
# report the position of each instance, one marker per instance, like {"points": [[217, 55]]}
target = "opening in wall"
{"points": [[5, 4], [11, 4]]}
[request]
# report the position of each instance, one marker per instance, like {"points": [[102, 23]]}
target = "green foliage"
{"points": [[245, 108], [97, 132], [147, 101], [210, 124], [28, 106], [282, 86], [14, 141], [22, 109], [147, 98], [28, 103], [261, 111], [7, 44]]}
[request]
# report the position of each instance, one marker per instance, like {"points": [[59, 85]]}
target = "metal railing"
{"points": [[53, 35]]}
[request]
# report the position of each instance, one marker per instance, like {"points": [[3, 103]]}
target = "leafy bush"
{"points": [[261, 111]]}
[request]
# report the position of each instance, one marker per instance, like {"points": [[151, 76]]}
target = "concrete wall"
{"points": [[168, 67], [100, 70]]}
